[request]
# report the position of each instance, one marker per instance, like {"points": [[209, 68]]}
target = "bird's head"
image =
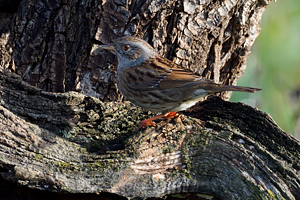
{"points": [[130, 51]]}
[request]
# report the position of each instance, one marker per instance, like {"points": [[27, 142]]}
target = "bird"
{"points": [[157, 84]]}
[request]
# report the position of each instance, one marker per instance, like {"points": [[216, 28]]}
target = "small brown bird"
{"points": [[156, 83]]}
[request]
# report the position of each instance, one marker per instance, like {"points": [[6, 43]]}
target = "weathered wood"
{"points": [[74, 143], [48, 43]]}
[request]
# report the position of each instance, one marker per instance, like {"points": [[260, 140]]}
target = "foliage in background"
{"points": [[274, 66]]}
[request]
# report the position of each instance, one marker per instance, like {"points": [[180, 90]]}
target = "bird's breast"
{"points": [[157, 100]]}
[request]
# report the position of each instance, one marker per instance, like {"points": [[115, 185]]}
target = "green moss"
{"points": [[178, 196], [97, 165], [67, 166], [205, 196], [38, 156], [270, 194], [83, 150]]}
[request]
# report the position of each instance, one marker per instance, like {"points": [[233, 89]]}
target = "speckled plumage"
{"points": [[149, 85], [156, 83]]}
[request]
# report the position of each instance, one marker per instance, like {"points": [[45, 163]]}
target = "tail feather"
{"points": [[222, 88]]}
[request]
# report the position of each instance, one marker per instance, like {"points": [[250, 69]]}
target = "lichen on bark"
{"points": [[89, 143], [208, 149]]}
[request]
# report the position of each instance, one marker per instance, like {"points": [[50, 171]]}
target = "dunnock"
{"points": [[156, 83]]}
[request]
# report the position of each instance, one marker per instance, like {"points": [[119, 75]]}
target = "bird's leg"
{"points": [[149, 122], [171, 115]]}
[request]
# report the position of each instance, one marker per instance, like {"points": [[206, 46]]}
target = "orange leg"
{"points": [[171, 115], [149, 122]]}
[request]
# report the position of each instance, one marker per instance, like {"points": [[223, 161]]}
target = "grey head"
{"points": [[130, 51]]}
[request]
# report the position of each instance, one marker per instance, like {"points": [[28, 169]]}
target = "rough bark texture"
{"points": [[75, 143], [48, 42], [72, 142]]}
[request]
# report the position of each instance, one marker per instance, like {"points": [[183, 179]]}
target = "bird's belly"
{"points": [[162, 100], [187, 104], [153, 100]]}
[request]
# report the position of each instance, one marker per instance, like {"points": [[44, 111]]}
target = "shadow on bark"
{"points": [[61, 144], [73, 143]]}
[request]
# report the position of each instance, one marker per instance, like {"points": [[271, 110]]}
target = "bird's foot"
{"points": [[146, 122], [149, 122]]}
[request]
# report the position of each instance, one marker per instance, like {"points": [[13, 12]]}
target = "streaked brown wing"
{"points": [[161, 73]]}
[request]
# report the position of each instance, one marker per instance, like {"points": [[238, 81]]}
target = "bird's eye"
{"points": [[125, 47]]}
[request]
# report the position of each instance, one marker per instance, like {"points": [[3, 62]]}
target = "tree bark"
{"points": [[88, 142], [75, 143], [48, 43]]}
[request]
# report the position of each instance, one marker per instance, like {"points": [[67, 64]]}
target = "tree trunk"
{"points": [[76, 143], [48, 43]]}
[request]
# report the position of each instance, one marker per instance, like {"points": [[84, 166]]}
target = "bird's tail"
{"points": [[222, 88]]}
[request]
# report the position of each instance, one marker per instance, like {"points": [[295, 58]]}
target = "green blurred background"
{"points": [[274, 66]]}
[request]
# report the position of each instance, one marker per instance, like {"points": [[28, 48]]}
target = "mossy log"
{"points": [[74, 143], [74, 146]]}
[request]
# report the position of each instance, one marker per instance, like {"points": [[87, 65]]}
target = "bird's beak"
{"points": [[96, 49], [109, 47]]}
